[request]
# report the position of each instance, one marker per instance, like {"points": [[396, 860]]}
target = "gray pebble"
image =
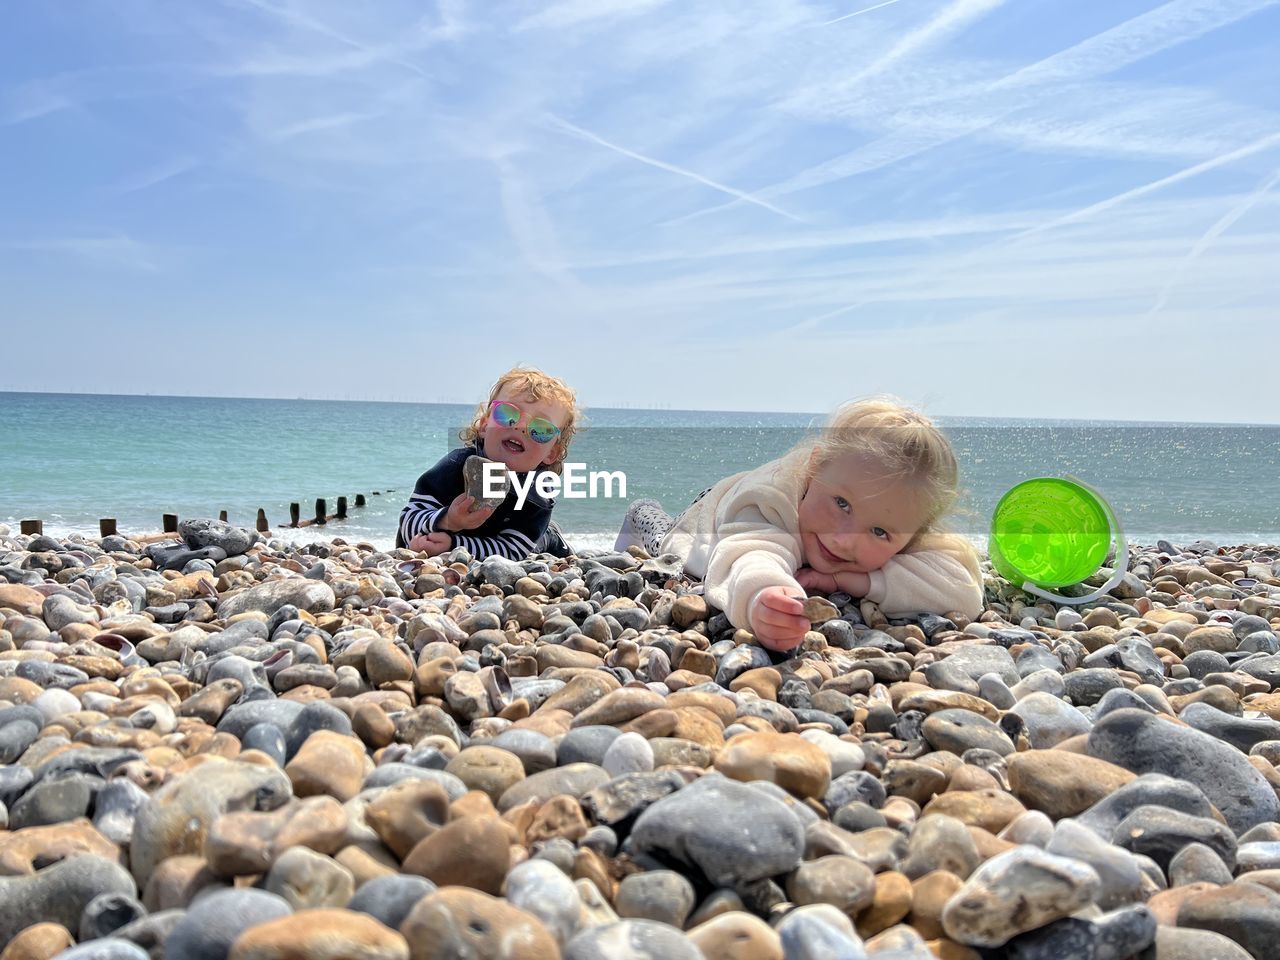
{"points": [[661, 895], [389, 899], [214, 921]]}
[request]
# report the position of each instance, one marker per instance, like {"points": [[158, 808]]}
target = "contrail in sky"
{"points": [[858, 13]]}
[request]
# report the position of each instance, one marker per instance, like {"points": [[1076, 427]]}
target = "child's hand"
{"points": [[777, 617], [812, 580], [432, 544], [460, 516], [854, 584]]}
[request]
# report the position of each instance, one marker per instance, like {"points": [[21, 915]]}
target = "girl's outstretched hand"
{"points": [[777, 617], [811, 579], [432, 544]]}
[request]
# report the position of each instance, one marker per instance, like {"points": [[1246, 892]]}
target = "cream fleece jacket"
{"points": [[744, 535]]}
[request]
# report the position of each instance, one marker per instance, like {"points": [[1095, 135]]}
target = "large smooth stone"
{"points": [[730, 831], [1160, 833], [632, 940], [1063, 784], [1143, 743], [320, 935], [58, 894], [737, 935], [201, 532], [313, 596], [541, 888], [1114, 936], [1247, 913], [1049, 720], [819, 932], [388, 899], [978, 659], [1017, 891], [457, 922], [786, 759], [180, 813], [573, 780], [1150, 789], [1241, 733], [1179, 943], [960, 730], [215, 921]]}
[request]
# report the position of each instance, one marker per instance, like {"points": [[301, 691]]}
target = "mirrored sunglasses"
{"points": [[507, 414]]}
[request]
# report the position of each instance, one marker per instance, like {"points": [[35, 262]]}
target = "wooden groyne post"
{"points": [[108, 527], [322, 514]]}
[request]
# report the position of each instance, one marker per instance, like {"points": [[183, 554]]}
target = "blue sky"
{"points": [[1065, 208]]}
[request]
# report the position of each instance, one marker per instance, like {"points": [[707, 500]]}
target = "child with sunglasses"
{"points": [[526, 425], [854, 510]]}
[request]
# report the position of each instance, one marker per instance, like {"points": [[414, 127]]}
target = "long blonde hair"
{"points": [[911, 447], [537, 386]]}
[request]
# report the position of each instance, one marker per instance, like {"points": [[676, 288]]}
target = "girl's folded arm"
{"points": [[930, 581]]}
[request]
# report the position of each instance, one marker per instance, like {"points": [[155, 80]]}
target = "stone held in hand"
{"points": [[473, 471], [819, 610]]}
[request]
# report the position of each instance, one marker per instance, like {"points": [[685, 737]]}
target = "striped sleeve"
{"points": [[420, 515], [510, 543]]}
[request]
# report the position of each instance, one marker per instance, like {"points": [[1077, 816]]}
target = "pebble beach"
{"points": [[227, 746]]}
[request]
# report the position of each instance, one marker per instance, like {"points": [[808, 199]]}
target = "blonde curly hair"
{"points": [[537, 386], [911, 448]]}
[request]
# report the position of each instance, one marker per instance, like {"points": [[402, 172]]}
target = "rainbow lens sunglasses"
{"points": [[507, 414]]}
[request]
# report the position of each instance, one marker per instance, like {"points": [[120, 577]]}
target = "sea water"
{"points": [[70, 459]]}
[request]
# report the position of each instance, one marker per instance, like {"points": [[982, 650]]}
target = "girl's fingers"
{"points": [[783, 604], [785, 620], [781, 640], [785, 623]]}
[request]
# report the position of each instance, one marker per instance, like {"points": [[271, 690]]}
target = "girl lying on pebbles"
{"points": [[526, 425], [854, 510]]}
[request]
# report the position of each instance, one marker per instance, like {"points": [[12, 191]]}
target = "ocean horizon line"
{"points": [[944, 419]]}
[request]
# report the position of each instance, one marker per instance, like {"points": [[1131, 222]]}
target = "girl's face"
{"points": [[512, 445], [853, 517]]}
